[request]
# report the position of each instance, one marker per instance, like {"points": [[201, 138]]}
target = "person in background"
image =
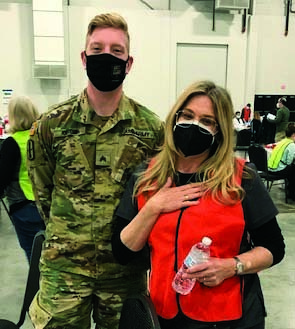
{"points": [[14, 179], [6, 123], [238, 122], [281, 160], [82, 152], [281, 119], [256, 125], [196, 187], [2, 127], [268, 129], [246, 113]]}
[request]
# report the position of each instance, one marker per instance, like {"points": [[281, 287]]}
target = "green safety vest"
{"points": [[21, 137], [277, 153]]}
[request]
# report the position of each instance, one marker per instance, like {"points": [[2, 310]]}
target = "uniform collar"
{"points": [[84, 113]]}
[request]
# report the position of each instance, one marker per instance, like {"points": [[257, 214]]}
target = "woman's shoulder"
{"points": [[8, 142], [9, 150], [141, 167]]}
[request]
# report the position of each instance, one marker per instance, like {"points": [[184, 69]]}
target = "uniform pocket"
{"points": [[131, 152], [72, 166], [38, 315]]}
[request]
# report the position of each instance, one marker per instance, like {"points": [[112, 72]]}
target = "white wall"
{"points": [[259, 61], [275, 55], [16, 58]]}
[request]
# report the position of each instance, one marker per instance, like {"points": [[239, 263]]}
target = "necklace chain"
{"points": [[191, 177]]}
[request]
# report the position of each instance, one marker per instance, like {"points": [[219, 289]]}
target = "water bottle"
{"points": [[199, 253]]}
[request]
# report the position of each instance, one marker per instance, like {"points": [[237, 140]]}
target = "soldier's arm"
{"points": [[41, 166]]}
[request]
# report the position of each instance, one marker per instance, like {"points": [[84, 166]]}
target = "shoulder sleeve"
{"points": [[257, 205], [289, 154], [41, 164], [124, 214], [269, 236]]}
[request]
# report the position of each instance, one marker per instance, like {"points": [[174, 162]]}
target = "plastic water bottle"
{"points": [[199, 253]]}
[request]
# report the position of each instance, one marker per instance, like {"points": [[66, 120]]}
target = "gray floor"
{"points": [[278, 282]]}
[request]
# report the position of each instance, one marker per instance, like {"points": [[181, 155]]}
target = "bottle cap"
{"points": [[207, 241]]}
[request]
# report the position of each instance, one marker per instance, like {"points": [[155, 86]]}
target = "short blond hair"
{"points": [[108, 20], [21, 113]]}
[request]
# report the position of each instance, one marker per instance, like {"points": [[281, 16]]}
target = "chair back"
{"points": [[32, 283], [138, 312], [244, 137], [6, 324], [33, 276], [258, 156]]}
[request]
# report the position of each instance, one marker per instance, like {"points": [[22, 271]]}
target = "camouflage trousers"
{"points": [[67, 300]]}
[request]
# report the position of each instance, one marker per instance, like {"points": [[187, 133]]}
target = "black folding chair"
{"points": [[244, 137], [138, 312], [32, 283], [258, 156]]}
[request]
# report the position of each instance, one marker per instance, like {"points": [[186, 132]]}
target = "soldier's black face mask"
{"points": [[105, 71], [191, 139]]}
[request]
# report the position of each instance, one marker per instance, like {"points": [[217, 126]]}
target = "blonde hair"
{"points": [[256, 115], [21, 113], [220, 169], [108, 20]]}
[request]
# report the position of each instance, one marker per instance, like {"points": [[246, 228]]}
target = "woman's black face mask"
{"points": [[105, 71], [191, 139]]}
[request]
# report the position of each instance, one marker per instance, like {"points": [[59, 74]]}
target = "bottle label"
{"points": [[189, 261]]}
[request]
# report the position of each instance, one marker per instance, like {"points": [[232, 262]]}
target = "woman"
{"points": [[281, 160], [256, 127], [195, 187], [14, 180]]}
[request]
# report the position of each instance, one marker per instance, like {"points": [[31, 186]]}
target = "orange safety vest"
{"points": [[170, 241]]}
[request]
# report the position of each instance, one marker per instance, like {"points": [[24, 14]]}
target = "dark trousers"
{"points": [[288, 172], [27, 222]]}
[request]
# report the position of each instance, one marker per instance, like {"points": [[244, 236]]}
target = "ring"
{"points": [[204, 278], [186, 197]]}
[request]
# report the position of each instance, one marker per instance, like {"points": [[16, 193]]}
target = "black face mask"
{"points": [[191, 139], [105, 71]]}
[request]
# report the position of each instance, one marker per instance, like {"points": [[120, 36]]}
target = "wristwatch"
{"points": [[239, 266]]}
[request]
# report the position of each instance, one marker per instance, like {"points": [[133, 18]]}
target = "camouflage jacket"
{"points": [[79, 170]]}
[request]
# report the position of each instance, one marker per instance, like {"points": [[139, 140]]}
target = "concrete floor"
{"points": [[278, 282]]}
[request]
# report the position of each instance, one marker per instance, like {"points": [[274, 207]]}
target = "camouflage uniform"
{"points": [[79, 166]]}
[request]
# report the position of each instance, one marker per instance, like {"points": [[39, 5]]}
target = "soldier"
{"points": [[80, 154]]}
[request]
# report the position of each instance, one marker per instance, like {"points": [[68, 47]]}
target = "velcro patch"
{"points": [[138, 133], [31, 150], [103, 158]]}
